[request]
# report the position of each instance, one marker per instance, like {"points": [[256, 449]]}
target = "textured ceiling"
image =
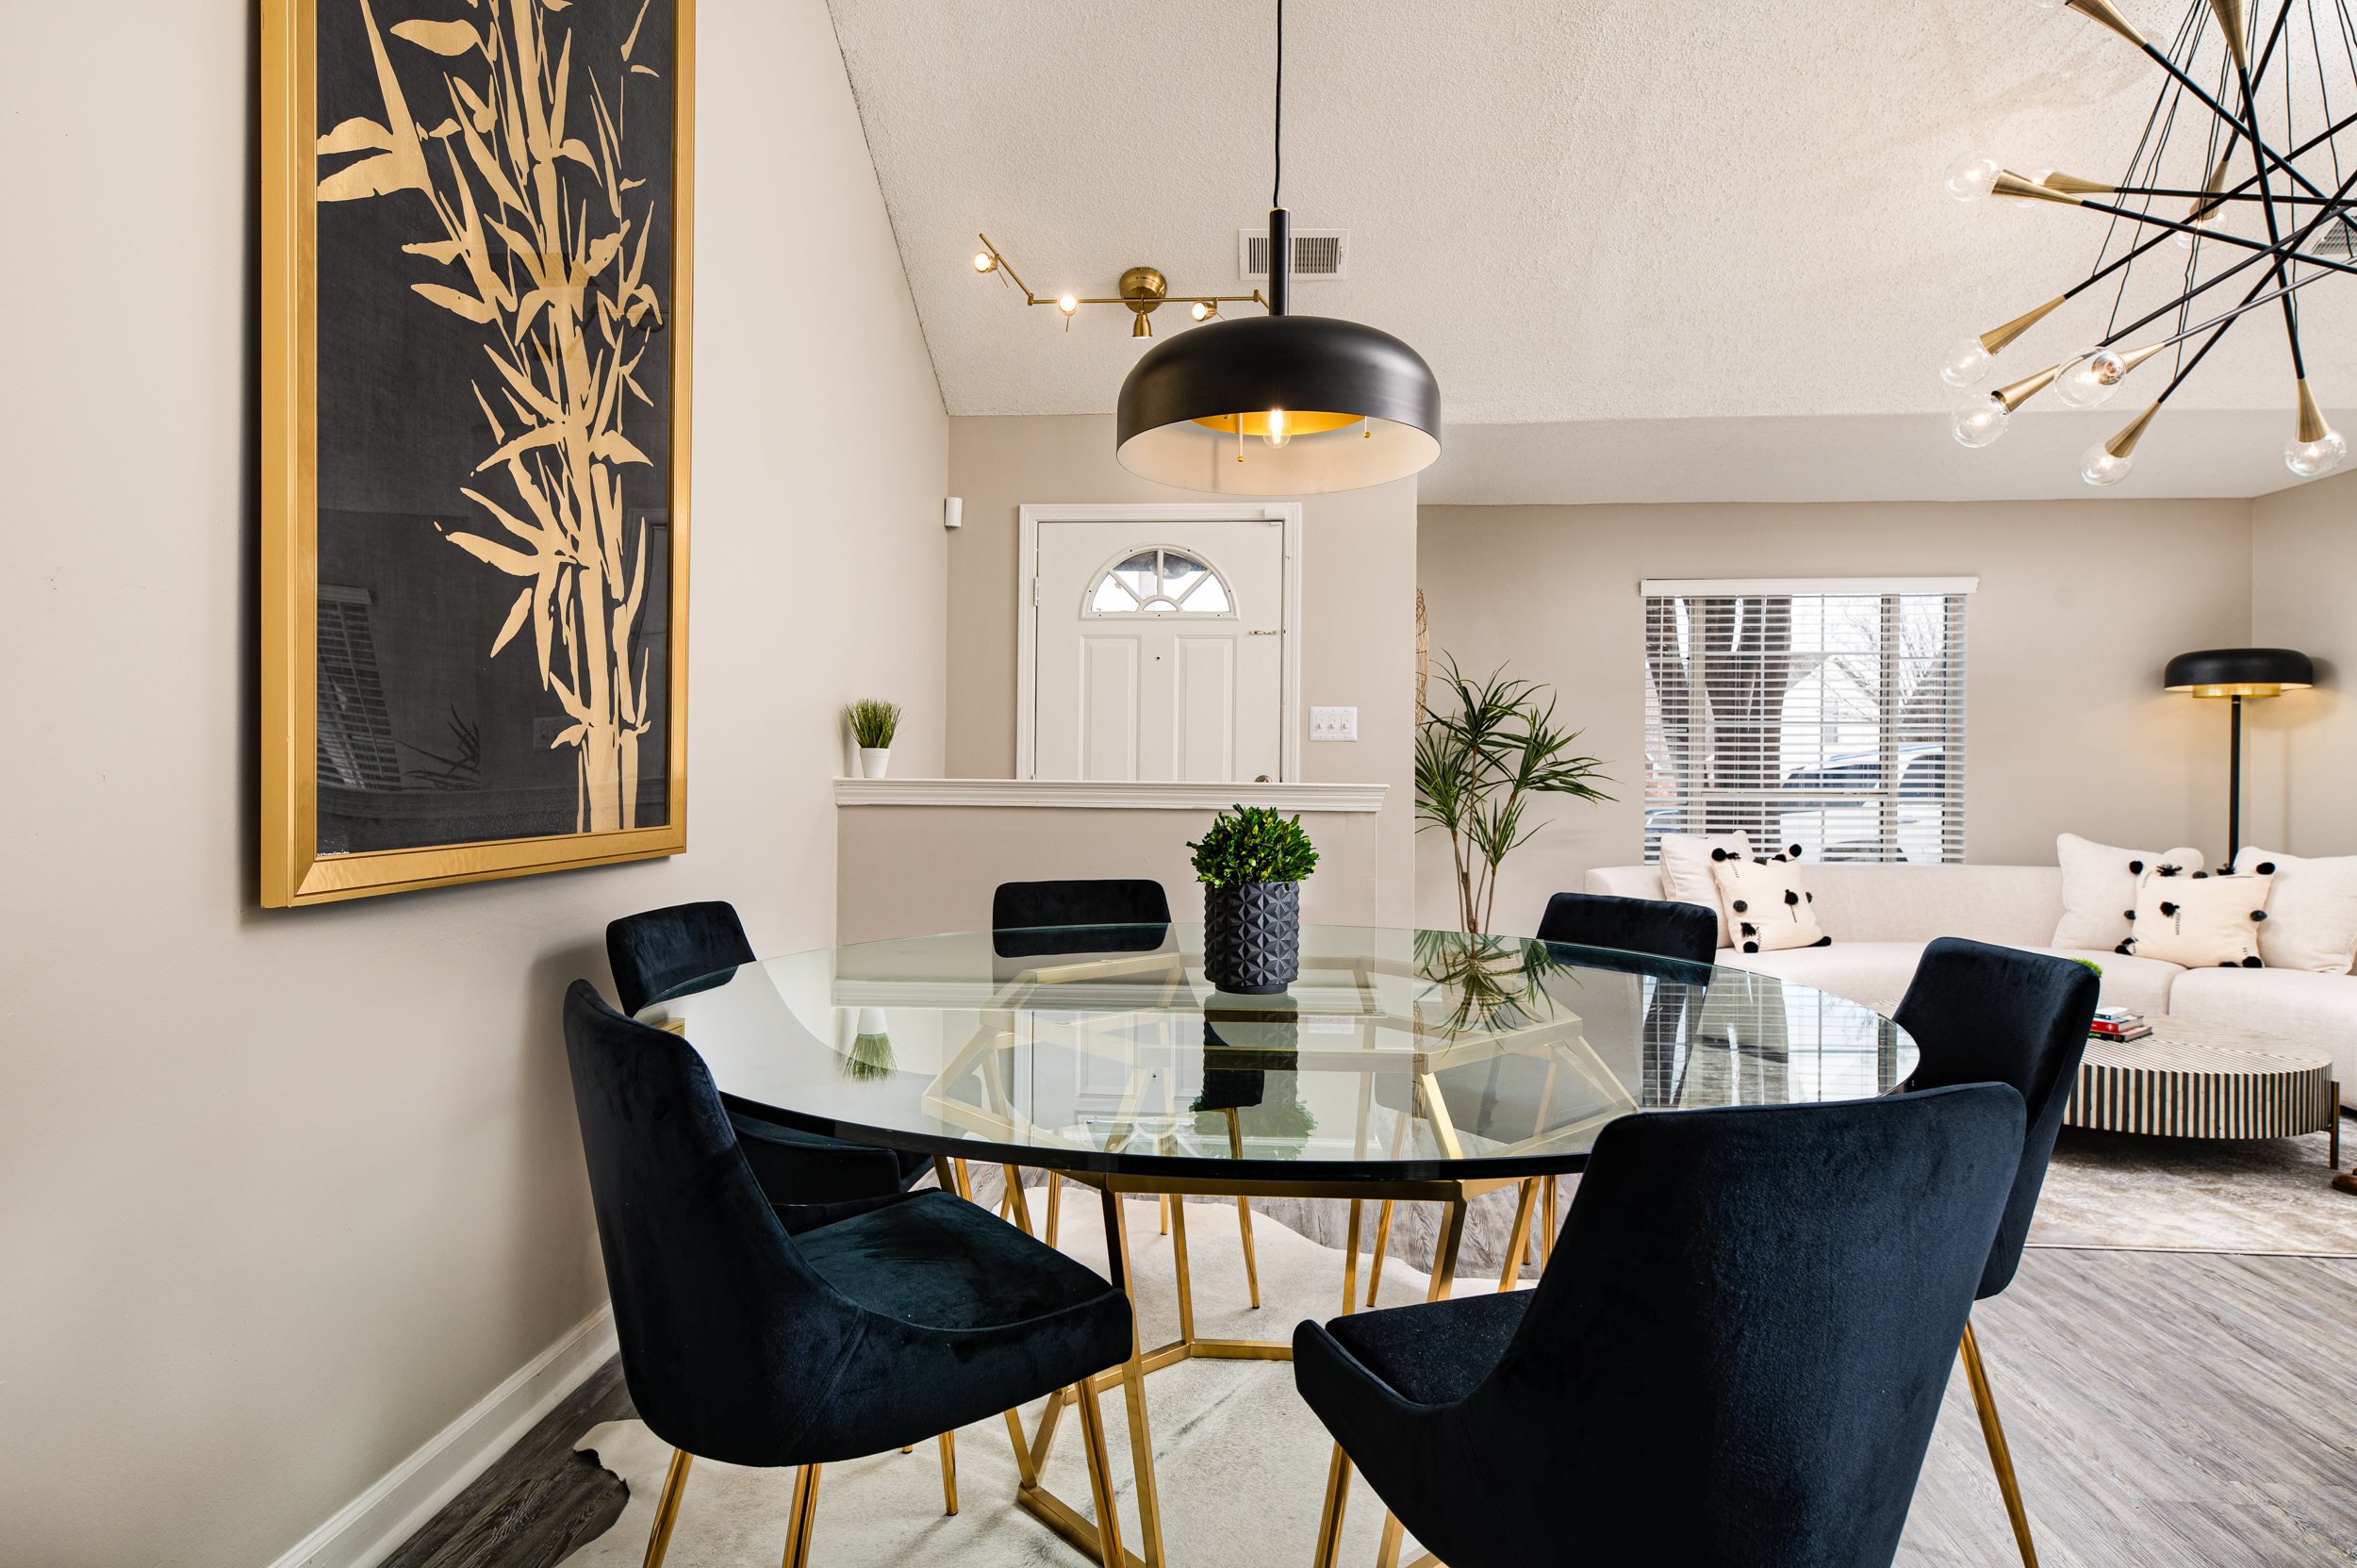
{"points": [[1663, 238]]}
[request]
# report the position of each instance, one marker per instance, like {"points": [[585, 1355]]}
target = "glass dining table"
{"points": [[1400, 1066]]}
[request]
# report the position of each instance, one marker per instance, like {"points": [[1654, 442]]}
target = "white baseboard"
{"points": [[367, 1530]]}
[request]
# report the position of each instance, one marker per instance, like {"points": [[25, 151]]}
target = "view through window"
{"points": [[1826, 714]]}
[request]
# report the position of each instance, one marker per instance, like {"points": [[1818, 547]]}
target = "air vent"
{"points": [[1317, 254], [2337, 243]]}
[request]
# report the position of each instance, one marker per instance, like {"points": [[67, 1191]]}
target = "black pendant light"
{"points": [[1279, 405]]}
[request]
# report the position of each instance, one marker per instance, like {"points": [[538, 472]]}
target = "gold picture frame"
{"points": [[579, 599]]}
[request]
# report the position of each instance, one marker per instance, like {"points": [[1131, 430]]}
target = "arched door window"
{"points": [[1160, 581]]}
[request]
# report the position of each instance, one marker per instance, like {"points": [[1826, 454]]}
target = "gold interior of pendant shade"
{"points": [[1299, 423], [2240, 688]]}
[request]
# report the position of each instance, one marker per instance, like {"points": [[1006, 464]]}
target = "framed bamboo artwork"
{"points": [[476, 255]]}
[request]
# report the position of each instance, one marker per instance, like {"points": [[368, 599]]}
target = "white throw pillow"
{"points": [[1686, 871], [2099, 887], [1768, 905], [2311, 911], [2200, 921]]}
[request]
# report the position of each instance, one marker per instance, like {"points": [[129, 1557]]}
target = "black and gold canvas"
{"points": [[497, 401]]}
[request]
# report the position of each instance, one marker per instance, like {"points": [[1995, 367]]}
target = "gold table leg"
{"points": [[1445, 1258], [1999, 1457], [1350, 1258], [666, 1507], [1517, 1238], [1108, 1548], [1134, 1385], [948, 1442]]}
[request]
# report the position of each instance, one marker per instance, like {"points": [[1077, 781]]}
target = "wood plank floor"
{"points": [[2165, 1410]]}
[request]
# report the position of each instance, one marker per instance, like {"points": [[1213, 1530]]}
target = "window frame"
{"points": [[1900, 764]]}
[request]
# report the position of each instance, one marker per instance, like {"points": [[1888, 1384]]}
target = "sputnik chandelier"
{"points": [[2238, 186]]}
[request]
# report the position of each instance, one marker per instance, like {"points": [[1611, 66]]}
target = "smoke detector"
{"points": [[1317, 254]]}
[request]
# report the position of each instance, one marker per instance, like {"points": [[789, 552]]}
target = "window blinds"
{"points": [[1828, 714]]}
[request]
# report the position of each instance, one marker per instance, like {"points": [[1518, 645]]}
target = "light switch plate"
{"points": [[1334, 723]]}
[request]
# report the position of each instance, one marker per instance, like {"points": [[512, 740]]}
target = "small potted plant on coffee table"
{"points": [[1251, 862]]}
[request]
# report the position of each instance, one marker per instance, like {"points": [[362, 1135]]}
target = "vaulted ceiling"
{"points": [[1652, 252]]}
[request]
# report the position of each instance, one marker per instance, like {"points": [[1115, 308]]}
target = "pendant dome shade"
{"points": [[1364, 405]]}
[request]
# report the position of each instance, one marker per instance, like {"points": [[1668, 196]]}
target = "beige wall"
{"points": [[282, 1193], [2080, 604], [908, 870], [2301, 795], [1358, 609]]}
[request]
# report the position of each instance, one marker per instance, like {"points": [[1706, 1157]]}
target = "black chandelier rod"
{"points": [[2277, 249], [2275, 234], [2215, 198], [2129, 257], [2290, 245], [2248, 133]]}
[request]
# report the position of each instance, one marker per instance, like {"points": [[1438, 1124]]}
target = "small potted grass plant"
{"points": [[1251, 862], [873, 723]]}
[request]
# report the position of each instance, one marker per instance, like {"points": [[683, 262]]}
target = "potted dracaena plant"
{"points": [[873, 723], [1477, 769], [1251, 862]]}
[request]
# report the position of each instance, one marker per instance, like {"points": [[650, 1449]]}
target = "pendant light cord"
{"points": [[1277, 185]]}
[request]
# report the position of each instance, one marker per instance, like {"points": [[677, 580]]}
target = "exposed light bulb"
{"points": [[1969, 179], [2321, 455], [1964, 365], [2102, 465], [984, 261], [1981, 423], [1066, 303], [2092, 379], [1277, 433], [2047, 5]]}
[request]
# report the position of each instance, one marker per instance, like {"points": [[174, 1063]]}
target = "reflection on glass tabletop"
{"points": [[1397, 1055]]}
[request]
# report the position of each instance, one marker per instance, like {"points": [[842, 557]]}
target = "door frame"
{"points": [[1031, 514]]}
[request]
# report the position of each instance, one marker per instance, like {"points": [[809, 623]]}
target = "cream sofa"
{"points": [[1880, 917]]}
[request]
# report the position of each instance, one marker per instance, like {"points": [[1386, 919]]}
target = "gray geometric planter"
{"points": [[1252, 937]]}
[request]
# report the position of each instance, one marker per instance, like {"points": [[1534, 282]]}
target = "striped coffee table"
{"points": [[2191, 1079]]}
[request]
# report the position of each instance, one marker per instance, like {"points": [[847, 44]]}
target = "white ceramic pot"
{"points": [[874, 761]]}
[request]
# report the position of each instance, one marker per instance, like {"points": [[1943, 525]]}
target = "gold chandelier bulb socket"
{"points": [[2313, 426], [2029, 387], [1995, 339], [2230, 21], [2108, 14], [2010, 184], [2075, 186], [2125, 442]]}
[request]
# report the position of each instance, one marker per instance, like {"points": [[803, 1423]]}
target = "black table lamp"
{"points": [[2237, 673]]}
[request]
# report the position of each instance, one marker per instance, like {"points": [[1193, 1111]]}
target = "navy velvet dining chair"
{"points": [[1656, 928], [1736, 1357], [664, 949], [1978, 1013], [760, 1335], [1661, 927]]}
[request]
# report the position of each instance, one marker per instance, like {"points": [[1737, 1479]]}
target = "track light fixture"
{"points": [[1144, 290]]}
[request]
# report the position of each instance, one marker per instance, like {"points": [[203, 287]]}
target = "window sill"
{"points": [[1072, 794]]}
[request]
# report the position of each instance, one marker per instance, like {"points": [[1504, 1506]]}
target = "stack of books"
{"points": [[2117, 1023]]}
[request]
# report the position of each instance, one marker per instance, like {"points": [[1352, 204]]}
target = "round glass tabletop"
{"points": [[1396, 1056]]}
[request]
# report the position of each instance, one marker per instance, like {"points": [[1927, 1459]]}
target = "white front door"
{"points": [[1160, 651]]}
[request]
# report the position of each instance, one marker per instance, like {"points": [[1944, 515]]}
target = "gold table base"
{"points": [[1031, 1449]]}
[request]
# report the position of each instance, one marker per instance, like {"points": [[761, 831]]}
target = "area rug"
{"points": [[2183, 1195], [1243, 1460]]}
